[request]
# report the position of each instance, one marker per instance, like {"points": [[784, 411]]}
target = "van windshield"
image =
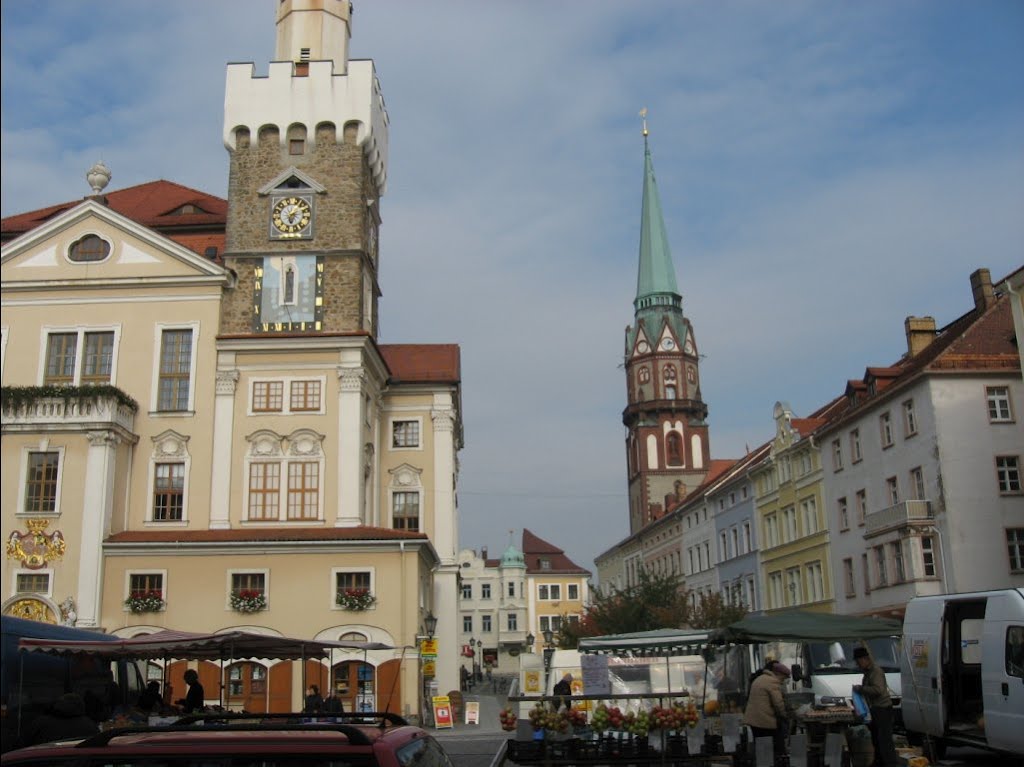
{"points": [[837, 657]]}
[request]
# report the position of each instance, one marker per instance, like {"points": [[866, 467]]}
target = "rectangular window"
{"points": [[775, 589], [899, 572], [264, 490], [794, 586], [909, 419], [855, 455], [61, 351], [512, 590], [406, 507], [747, 537], [809, 507], [789, 529], [405, 434], [917, 482], [866, 572], [41, 482], [837, 455], [32, 583], [928, 556], [844, 514], [815, 582], [735, 533], [303, 490], [771, 530], [999, 410], [168, 492], [467, 590], [512, 622], [352, 582], [141, 584], [849, 579], [485, 591], [862, 506], [485, 623], [885, 428], [267, 396], [573, 592], [892, 489], [175, 370], [305, 396], [1008, 473], [723, 545], [254, 583], [883, 578], [1015, 548], [467, 624], [99, 358]]}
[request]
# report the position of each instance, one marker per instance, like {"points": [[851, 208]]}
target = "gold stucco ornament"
{"points": [[35, 548]]}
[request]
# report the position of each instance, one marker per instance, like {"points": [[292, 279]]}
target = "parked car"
{"points": [[248, 740]]}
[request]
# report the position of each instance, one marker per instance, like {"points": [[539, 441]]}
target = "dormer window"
{"points": [[188, 209], [88, 249]]}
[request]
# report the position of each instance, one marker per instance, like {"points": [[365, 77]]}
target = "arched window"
{"points": [[670, 372], [670, 391], [674, 449], [643, 375]]}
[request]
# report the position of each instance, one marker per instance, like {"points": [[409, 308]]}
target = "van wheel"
{"points": [[934, 749]]}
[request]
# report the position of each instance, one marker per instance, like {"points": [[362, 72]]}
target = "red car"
{"points": [[247, 740]]}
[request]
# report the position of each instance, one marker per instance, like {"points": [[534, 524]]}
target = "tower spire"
{"points": [[656, 277]]}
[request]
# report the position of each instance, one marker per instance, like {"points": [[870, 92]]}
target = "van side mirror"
{"points": [[797, 671]]}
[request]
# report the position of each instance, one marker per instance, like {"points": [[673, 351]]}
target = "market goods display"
{"points": [[508, 719]]}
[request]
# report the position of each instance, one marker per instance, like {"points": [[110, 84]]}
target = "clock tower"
{"points": [[308, 146], [667, 448]]}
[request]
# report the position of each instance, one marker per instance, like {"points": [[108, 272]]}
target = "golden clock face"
{"points": [[290, 216]]}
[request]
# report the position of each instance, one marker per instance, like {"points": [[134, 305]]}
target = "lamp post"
{"points": [[549, 652], [530, 638], [478, 660], [429, 627]]}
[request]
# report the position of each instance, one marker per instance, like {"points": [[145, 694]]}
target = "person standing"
{"points": [[875, 690], [194, 700], [65, 719], [314, 702], [765, 713], [563, 689]]}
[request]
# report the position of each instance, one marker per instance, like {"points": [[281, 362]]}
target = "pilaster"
{"points": [[349, 511], [223, 430], [97, 508]]}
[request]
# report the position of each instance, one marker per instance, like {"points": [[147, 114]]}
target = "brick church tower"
{"points": [[667, 444]]}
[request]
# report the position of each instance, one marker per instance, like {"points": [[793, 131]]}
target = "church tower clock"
{"points": [[308, 146], [667, 448]]}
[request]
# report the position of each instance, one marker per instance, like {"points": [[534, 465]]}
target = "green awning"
{"points": [[806, 626]]}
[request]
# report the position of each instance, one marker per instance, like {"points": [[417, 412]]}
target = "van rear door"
{"points": [[921, 666], [1002, 676]]}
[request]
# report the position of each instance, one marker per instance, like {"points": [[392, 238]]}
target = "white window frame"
{"points": [[391, 433], [467, 591], [264, 571], [551, 590], [855, 452], [843, 507], [164, 584], [885, 429], [909, 419], [286, 395], [512, 622], [1007, 474], [80, 330], [991, 398], [572, 592], [268, 447], [486, 624], [837, 455], [47, 571], [168, 447], [154, 400], [43, 447], [485, 590], [81, 238], [336, 571]]}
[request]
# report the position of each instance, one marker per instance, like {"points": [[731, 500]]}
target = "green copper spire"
{"points": [[656, 278]]}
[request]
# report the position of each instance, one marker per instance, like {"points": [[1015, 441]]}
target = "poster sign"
{"points": [[429, 669], [442, 712], [472, 712], [428, 647], [595, 675], [919, 653], [531, 674]]}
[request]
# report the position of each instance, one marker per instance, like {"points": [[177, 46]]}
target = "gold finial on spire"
{"points": [[643, 117]]}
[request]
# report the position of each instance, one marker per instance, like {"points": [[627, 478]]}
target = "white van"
{"points": [[828, 670], [962, 668]]}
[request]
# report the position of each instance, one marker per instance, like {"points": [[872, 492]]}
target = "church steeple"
{"points": [[667, 443], [656, 277]]}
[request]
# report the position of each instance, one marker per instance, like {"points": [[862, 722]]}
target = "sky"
{"points": [[826, 169]]}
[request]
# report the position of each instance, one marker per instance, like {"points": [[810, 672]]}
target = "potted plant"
{"points": [[248, 601], [355, 599], [145, 602]]}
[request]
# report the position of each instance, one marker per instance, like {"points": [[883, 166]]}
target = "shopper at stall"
{"points": [[563, 689], [66, 718], [766, 711], [876, 695], [193, 701]]}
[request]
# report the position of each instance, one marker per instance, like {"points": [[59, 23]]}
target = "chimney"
{"points": [[981, 287], [920, 332], [483, 553]]}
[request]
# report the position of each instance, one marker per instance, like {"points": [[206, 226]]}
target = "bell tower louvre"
{"points": [[667, 443]]}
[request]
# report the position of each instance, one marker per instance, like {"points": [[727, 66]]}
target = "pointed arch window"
{"points": [[643, 375], [674, 449]]}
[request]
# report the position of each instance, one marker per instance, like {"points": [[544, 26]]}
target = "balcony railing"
{"points": [[84, 413], [900, 515]]}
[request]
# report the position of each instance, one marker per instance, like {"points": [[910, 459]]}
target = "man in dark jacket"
{"points": [[875, 690], [193, 702], [563, 689], [65, 719]]}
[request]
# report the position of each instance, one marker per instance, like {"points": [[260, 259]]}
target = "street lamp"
{"points": [[431, 624], [478, 660], [549, 652], [530, 638]]}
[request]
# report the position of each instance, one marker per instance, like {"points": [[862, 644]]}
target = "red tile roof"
{"points": [[536, 550], [154, 204], [263, 534], [423, 363]]}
